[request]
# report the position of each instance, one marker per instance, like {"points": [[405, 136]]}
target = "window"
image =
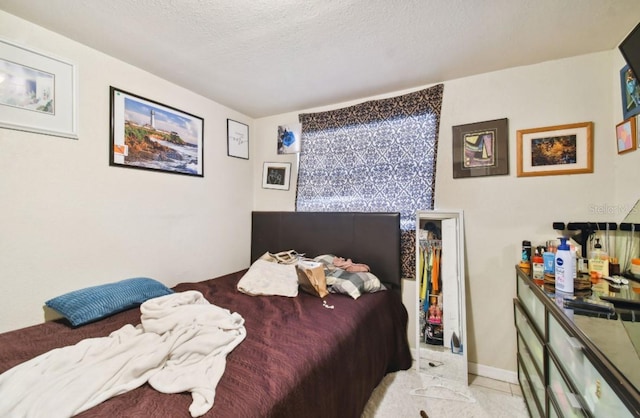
{"points": [[377, 156]]}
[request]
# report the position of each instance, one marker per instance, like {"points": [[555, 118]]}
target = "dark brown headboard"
{"points": [[370, 238]]}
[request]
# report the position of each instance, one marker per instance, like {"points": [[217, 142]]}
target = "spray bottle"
{"points": [[564, 267]]}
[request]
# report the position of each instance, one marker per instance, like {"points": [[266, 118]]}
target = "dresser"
{"points": [[572, 363]]}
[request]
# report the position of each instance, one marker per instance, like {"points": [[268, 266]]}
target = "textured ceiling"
{"points": [[265, 57]]}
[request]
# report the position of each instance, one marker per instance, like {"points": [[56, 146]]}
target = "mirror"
{"points": [[441, 337], [628, 242], [633, 217]]}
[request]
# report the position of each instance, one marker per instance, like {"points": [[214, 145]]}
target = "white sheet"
{"points": [[269, 279], [180, 345]]}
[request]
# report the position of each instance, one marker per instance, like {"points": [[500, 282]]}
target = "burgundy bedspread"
{"points": [[300, 359]]}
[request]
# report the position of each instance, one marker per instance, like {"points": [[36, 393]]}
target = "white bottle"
{"points": [[565, 267]]}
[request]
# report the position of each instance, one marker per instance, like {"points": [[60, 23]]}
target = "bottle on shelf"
{"points": [[525, 259], [537, 263], [565, 267], [599, 262]]}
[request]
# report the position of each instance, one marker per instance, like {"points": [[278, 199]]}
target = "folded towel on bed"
{"points": [[180, 345], [265, 278]]}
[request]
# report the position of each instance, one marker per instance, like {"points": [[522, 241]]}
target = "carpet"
{"points": [[404, 394]]}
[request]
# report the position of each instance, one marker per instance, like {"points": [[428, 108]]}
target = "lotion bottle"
{"points": [[564, 267], [599, 262]]}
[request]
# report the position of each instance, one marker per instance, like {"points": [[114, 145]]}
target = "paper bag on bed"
{"points": [[311, 278]]}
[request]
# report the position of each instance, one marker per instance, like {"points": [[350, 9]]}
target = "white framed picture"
{"points": [[276, 176], [289, 138], [37, 92]]}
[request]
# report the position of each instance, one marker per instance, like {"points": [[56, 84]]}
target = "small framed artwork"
{"points": [[276, 176], [151, 136], [630, 92], [37, 92], [481, 149], [237, 139], [626, 138], [289, 138], [553, 150], [638, 130]]}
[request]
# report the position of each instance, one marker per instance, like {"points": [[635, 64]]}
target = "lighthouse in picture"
{"points": [[153, 119]]}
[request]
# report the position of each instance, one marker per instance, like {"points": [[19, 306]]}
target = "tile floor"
{"points": [[435, 391]]}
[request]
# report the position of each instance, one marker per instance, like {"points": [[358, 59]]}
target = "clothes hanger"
{"points": [[453, 395]]}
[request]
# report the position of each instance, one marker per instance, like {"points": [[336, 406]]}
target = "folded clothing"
{"points": [[265, 278], [349, 265]]}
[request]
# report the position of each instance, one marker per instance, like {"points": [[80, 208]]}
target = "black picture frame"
{"points": [[237, 139], [630, 93], [149, 135], [481, 149]]}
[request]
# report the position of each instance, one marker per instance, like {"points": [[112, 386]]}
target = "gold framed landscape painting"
{"points": [[555, 150]]}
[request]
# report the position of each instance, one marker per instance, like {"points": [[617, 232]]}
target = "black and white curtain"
{"points": [[376, 156]]}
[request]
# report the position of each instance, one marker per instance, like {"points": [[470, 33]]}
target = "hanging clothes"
{"points": [[422, 275], [429, 271], [435, 274]]}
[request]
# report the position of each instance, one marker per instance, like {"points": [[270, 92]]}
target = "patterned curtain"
{"points": [[376, 156]]}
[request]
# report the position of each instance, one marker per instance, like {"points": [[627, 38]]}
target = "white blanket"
{"points": [[180, 345], [270, 279]]}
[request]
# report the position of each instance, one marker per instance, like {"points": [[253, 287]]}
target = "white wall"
{"points": [[501, 211], [69, 220]]}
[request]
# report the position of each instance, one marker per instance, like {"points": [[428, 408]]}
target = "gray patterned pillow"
{"points": [[348, 283]]}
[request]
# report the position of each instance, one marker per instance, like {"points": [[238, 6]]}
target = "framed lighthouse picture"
{"points": [[152, 136]]}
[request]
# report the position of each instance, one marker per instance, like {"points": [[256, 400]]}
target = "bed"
{"points": [[299, 357]]}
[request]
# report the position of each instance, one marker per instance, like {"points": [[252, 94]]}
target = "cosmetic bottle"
{"points": [[565, 267], [525, 260], [549, 259], [538, 267], [599, 262]]}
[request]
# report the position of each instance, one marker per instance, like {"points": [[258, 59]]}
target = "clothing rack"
{"points": [[589, 228], [429, 279]]}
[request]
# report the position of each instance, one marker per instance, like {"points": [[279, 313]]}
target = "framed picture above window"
{"points": [[553, 150], [276, 176], [37, 92], [481, 149]]}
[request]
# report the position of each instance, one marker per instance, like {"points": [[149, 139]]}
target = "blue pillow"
{"points": [[97, 302]]}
